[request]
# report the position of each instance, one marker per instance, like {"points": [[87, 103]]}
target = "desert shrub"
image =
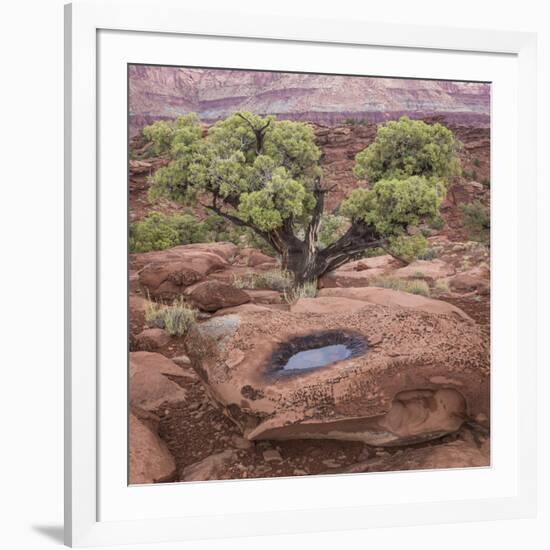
{"points": [[476, 162], [332, 227], [428, 254], [407, 247], [176, 319], [476, 221], [275, 279], [173, 135], [486, 182], [437, 223], [426, 232], [307, 290], [160, 231], [405, 147], [414, 286]]}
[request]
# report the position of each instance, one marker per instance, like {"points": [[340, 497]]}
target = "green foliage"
{"points": [[265, 186], [159, 231], [476, 162], [407, 148], [476, 221], [437, 223], [409, 165], [374, 252], [390, 206], [407, 247], [176, 319], [331, 229], [414, 286], [171, 137], [265, 174], [426, 231], [428, 254], [275, 279]]}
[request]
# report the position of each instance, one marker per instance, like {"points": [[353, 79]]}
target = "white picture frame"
{"points": [[84, 524]]}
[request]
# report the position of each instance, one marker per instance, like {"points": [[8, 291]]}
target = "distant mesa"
{"points": [[158, 93]]}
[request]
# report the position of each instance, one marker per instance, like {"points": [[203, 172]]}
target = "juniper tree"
{"points": [[265, 174]]}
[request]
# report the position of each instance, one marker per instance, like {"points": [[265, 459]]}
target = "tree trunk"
{"points": [[308, 263], [303, 258]]}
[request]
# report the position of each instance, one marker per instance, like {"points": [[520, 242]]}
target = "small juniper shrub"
{"points": [[476, 221], [429, 254], [437, 223]]}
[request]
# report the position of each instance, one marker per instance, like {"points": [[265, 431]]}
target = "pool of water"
{"points": [[313, 351], [319, 357]]}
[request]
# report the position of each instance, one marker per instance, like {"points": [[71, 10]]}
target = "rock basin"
{"points": [[424, 374], [316, 350]]}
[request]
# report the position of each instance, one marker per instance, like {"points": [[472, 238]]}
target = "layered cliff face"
{"points": [[165, 92]]}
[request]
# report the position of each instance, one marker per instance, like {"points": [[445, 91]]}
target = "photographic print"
{"points": [[308, 274]]}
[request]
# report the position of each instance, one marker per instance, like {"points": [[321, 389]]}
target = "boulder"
{"points": [[250, 308], [133, 282], [151, 339], [167, 281], [395, 298], [457, 454], [225, 250], [149, 386], [359, 273], [214, 295], [149, 459], [348, 278], [209, 252], [253, 258], [473, 280], [431, 270], [385, 262], [264, 296], [165, 274], [410, 376], [182, 361], [212, 467]]}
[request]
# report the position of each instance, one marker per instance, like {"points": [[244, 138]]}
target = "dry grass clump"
{"points": [[176, 319], [276, 279], [414, 286]]}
